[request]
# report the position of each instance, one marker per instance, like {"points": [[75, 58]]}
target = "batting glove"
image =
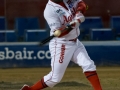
{"points": [[75, 23], [79, 18]]}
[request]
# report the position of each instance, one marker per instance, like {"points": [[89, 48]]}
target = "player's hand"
{"points": [[75, 23], [79, 18]]}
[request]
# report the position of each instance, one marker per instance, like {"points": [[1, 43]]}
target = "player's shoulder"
{"points": [[51, 4], [51, 8]]}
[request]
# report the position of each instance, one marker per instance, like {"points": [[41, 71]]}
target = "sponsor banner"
{"points": [[31, 55], [23, 53], [104, 55], [24, 56]]}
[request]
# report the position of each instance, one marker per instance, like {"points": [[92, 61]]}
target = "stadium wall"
{"points": [[35, 8], [2, 7], [32, 55]]}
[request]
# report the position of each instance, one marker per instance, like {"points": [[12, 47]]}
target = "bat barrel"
{"points": [[46, 40]]}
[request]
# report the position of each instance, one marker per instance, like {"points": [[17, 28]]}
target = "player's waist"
{"points": [[64, 39], [74, 40]]}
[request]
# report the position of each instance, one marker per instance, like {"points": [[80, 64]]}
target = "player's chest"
{"points": [[66, 15]]}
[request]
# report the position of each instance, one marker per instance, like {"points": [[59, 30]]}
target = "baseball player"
{"points": [[65, 47]]}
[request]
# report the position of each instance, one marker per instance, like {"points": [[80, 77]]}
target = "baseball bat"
{"points": [[68, 28]]}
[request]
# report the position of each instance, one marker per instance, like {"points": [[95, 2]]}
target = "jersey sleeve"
{"points": [[52, 18]]}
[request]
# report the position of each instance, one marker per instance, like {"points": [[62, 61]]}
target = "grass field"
{"points": [[74, 79]]}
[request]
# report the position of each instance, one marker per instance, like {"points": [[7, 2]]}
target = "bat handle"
{"points": [[69, 27]]}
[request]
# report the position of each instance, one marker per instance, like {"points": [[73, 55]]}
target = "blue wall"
{"points": [[104, 55], [32, 55]]}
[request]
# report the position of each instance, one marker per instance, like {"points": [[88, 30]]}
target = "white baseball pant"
{"points": [[71, 51]]}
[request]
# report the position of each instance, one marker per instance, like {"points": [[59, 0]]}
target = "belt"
{"points": [[73, 40]]}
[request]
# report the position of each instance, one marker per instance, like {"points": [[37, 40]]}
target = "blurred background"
{"points": [[22, 26]]}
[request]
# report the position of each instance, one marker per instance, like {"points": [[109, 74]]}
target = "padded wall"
{"points": [[2, 9], [25, 8]]}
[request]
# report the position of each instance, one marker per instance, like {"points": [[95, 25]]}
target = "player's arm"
{"points": [[75, 23], [79, 16], [78, 19], [52, 19], [54, 22], [64, 30], [82, 7]]}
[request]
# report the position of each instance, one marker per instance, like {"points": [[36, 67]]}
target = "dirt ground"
{"points": [[74, 79]]}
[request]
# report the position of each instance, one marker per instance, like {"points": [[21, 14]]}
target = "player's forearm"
{"points": [[75, 23], [78, 19], [64, 31]]}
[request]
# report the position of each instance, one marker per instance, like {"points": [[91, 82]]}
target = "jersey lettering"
{"points": [[62, 54], [67, 19], [73, 11], [71, 6], [71, 3]]}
